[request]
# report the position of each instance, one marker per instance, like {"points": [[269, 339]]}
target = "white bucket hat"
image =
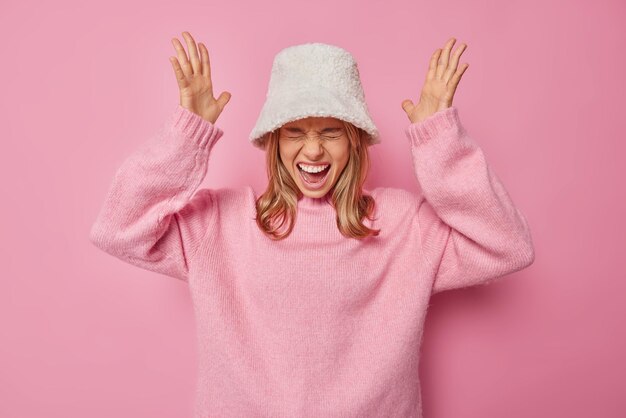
{"points": [[313, 79]]}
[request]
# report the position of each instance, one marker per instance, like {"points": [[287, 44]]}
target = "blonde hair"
{"points": [[276, 208]]}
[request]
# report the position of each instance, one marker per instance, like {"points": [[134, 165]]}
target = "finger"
{"points": [[193, 53], [206, 61], [445, 56], [178, 72], [182, 58], [454, 62], [407, 105], [223, 99], [432, 67], [454, 81]]}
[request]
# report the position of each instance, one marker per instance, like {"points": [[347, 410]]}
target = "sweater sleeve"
{"points": [[470, 229], [152, 216]]}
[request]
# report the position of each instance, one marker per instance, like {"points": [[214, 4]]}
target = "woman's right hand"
{"points": [[194, 80]]}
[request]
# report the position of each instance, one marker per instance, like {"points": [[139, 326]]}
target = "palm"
{"points": [[436, 91], [440, 85], [198, 94]]}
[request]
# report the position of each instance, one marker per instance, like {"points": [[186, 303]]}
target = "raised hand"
{"points": [[442, 79], [193, 75]]}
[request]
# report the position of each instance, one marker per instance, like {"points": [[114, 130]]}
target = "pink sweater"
{"points": [[317, 325]]}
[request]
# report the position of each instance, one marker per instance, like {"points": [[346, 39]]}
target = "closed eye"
{"points": [[329, 134]]}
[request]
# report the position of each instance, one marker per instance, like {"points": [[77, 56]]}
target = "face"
{"points": [[316, 143]]}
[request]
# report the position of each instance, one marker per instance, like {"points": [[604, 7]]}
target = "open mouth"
{"points": [[314, 180]]}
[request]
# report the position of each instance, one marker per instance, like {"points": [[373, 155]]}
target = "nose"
{"points": [[313, 149]]}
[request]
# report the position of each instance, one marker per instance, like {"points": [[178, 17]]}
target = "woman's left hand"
{"points": [[441, 81]]}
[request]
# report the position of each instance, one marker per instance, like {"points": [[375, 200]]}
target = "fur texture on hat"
{"points": [[313, 79]]}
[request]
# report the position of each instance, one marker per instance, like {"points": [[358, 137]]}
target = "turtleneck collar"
{"points": [[315, 202]]}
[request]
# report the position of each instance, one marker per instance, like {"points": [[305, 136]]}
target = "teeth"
{"points": [[313, 169]]}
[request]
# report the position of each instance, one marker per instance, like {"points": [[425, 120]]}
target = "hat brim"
{"points": [[309, 102]]}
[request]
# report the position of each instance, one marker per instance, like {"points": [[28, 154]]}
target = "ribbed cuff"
{"points": [[199, 130], [433, 125]]}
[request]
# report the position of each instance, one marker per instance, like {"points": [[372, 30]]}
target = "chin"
{"points": [[316, 193]]}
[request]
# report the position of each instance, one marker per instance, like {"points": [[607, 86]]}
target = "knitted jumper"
{"points": [[317, 324]]}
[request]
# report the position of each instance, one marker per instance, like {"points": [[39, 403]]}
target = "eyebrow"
{"points": [[289, 129]]}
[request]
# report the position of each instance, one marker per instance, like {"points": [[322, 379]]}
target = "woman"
{"points": [[310, 299]]}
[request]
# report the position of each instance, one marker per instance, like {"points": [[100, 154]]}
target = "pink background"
{"points": [[84, 84]]}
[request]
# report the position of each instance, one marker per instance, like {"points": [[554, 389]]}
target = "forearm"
{"points": [[488, 234], [151, 186]]}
